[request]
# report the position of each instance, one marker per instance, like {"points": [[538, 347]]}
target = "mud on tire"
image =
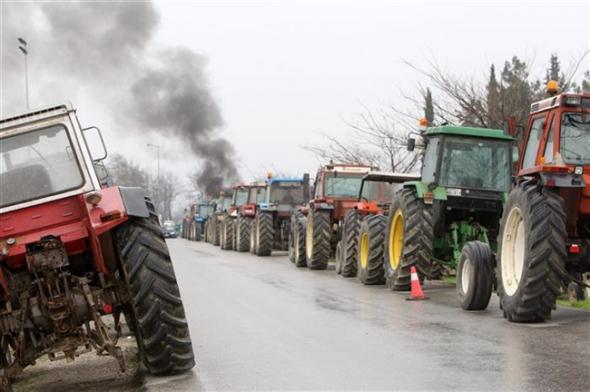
{"points": [[156, 308], [412, 243], [531, 253], [370, 250], [349, 250]]}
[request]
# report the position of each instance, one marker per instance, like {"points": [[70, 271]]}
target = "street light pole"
{"points": [[23, 48]]}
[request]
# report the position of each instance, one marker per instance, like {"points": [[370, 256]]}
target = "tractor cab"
{"points": [[284, 194], [204, 210], [240, 195]]}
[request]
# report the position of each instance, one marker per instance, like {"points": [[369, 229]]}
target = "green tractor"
{"points": [[449, 219]]}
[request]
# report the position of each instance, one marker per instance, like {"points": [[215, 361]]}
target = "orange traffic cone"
{"points": [[416, 294]]}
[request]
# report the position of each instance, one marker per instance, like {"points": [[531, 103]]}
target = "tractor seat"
{"points": [[24, 183]]}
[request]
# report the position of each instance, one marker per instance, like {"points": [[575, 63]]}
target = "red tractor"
{"points": [[360, 251], [544, 239], [245, 216], [244, 201], [75, 251], [318, 228]]}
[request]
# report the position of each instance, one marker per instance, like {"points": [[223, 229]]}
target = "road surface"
{"points": [[262, 324]]}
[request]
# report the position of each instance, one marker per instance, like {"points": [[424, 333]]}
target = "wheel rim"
{"points": [[364, 251], [396, 239], [309, 237], [465, 273], [513, 249]]}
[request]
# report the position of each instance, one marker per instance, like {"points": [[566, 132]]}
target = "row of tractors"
{"points": [[505, 211]]}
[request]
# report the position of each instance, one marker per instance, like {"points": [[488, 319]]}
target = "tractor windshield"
{"points": [[205, 210], [225, 203], [37, 164], [257, 195], [575, 138], [379, 191], [343, 184], [240, 196], [475, 164], [286, 192]]}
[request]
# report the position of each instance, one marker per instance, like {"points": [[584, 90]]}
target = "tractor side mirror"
{"points": [[95, 143], [411, 144]]}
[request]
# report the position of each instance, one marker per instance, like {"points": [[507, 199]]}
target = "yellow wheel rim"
{"points": [[396, 239], [364, 251]]}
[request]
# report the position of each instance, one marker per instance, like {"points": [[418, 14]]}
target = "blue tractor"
{"points": [[271, 226], [200, 214]]}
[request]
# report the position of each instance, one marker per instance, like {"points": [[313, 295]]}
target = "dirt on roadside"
{"points": [[89, 373]]}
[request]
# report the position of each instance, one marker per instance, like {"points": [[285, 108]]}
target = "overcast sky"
{"points": [[284, 72]]}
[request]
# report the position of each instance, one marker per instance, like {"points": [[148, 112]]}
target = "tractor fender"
{"points": [[422, 189], [134, 201], [561, 180], [323, 206]]}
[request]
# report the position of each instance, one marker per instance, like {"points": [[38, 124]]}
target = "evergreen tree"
{"points": [[428, 107], [494, 101]]}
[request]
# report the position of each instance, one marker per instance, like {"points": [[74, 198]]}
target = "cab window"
{"points": [[548, 154], [532, 146]]}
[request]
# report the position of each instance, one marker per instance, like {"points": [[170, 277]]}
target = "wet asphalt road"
{"points": [[262, 324]]}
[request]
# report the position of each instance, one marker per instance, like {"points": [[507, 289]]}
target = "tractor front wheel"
{"points": [[409, 241], [298, 227], [370, 250], [532, 253], [318, 235], [475, 276], [349, 250], [156, 309]]}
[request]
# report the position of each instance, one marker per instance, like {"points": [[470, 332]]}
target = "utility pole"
{"points": [[23, 48]]}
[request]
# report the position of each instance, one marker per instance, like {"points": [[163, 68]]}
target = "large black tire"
{"points": [[532, 238], [227, 234], [156, 309], [318, 236], [243, 233], [475, 276], [290, 244], [412, 246], [349, 250], [264, 234], [371, 240], [298, 227]]}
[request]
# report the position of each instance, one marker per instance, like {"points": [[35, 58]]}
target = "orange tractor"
{"points": [[360, 250], [317, 229], [544, 239]]}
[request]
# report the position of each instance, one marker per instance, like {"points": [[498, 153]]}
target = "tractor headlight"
{"points": [[579, 170], [572, 100]]}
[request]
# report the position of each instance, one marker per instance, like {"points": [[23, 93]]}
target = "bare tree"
{"points": [[374, 139]]}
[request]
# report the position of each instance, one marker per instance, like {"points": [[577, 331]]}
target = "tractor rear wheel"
{"points": [[370, 250], [156, 310], [318, 235], [264, 234], [352, 224], [532, 253], [409, 240], [215, 231], [198, 232], [298, 227], [227, 234], [475, 276], [243, 233]]}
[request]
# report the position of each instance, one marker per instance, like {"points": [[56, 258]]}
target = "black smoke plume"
{"points": [[108, 48]]}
